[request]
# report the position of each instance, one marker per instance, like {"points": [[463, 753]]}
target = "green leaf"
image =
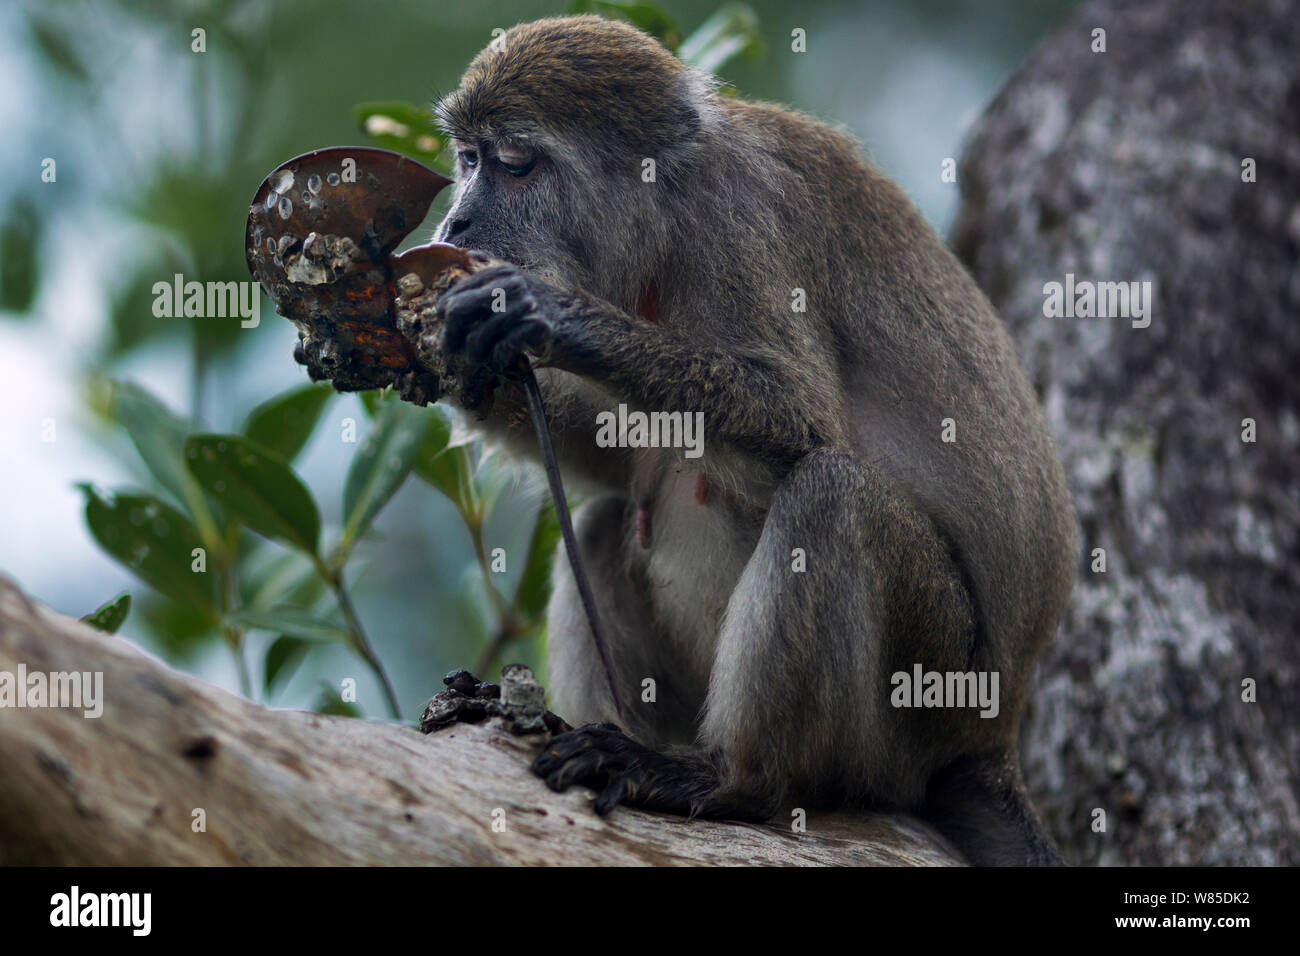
{"points": [[287, 620], [159, 437], [380, 467], [185, 205], [285, 422], [257, 487], [452, 473], [493, 476], [109, 617], [534, 588], [155, 541], [446, 462], [283, 656], [181, 631], [19, 268], [372, 400], [731, 31], [402, 127], [271, 575], [437, 435], [131, 320]]}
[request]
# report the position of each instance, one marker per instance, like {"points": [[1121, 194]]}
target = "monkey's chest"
{"points": [[692, 540]]}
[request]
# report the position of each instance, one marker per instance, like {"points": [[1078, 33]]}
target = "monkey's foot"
{"points": [[620, 770], [468, 700]]}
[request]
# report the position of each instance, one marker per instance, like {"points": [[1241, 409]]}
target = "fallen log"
{"points": [[176, 771]]}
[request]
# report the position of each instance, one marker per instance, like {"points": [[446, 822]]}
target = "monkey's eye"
{"points": [[469, 157], [516, 164]]}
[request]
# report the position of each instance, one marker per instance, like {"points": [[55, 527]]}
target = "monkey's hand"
{"points": [[494, 315], [620, 770]]}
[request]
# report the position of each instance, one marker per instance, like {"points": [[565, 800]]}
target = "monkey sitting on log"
{"points": [[877, 502]]}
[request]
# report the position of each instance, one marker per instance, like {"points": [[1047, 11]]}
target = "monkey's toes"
{"points": [[599, 756]]}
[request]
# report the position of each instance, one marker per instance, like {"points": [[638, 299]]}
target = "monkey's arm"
{"points": [[754, 399]]}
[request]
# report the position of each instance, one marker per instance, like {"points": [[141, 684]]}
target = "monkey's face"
{"points": [[505, 194], [554, 128], [551, 209]]}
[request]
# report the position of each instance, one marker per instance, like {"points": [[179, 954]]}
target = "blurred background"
{"points": [[158, 150]]}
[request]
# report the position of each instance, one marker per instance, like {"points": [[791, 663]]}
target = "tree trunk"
{"points": [[1127, 165], [280, 787]]}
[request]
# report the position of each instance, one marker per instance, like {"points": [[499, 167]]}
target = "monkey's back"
{"points": [[915, 342]]}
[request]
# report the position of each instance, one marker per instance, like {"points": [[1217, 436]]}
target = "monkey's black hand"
{"points": [[621, 770], [493, 316]]}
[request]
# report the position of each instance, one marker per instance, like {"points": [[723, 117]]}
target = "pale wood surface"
{"points": [[289, 787]]}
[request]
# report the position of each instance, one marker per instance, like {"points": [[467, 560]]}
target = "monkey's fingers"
{"points": [[500, 340], [485, 283], [589, 770], [531, 335], [461, 311], [499, 275], [491, 320]]}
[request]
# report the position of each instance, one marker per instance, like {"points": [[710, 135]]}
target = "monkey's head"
{"points": [[553, 124]]}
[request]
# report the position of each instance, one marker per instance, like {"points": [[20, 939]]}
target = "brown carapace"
{"points": [[320, 236]]}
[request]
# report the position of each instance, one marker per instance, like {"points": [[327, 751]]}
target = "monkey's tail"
{"points": [[979, 802]]}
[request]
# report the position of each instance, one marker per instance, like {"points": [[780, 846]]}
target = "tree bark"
{"points": [[1127, 166], [280, 787]]}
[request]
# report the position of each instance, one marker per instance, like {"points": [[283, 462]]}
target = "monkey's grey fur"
{"points": [[823, 437]]}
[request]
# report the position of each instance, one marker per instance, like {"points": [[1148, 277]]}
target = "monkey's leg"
{"points": [[577, 685], [848, 583], [980, 803]]}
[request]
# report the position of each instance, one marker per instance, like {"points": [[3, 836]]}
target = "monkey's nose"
{"points": [[456, 227]]}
